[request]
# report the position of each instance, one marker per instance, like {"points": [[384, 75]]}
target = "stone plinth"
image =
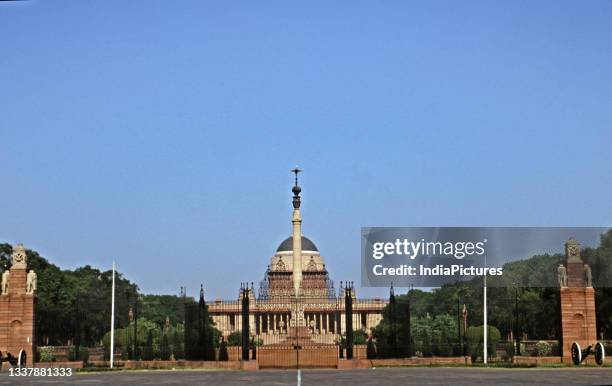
{"points": [[577, 317], [17, 325], [577, 302]]}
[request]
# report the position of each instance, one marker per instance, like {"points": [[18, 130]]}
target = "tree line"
{"points": [[533, 312], [73, 306]]}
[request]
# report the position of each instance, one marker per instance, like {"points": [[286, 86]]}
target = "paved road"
{"points": [[377, 377]]}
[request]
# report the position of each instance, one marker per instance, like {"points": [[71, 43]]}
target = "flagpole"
{"points": [[486, 329], [112, 337], [485, 320]]}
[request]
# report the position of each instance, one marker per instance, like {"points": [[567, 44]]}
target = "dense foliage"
{"points": [[69, 301], [434, 314], [201, 337], [146, 339], [474, 337], [73, 301]]}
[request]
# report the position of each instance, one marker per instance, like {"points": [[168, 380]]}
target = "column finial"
{"points": [[296, 188]]}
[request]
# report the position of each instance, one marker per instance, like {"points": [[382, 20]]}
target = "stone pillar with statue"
{"points": [[17, 311], [578, 328]]}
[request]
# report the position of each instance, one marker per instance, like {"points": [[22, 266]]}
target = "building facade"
{"points": [[297, 293]]}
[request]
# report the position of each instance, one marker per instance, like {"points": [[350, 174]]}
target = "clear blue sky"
{"points": [[161, 133]]}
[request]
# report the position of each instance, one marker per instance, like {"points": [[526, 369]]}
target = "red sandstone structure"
{"points": [[577, 301], [17, 308]]}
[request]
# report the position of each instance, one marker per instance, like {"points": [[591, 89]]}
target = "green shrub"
{"points": [[555, 349], [430, 336], [72, 354], [475, 340], [234, 339], [542, 349], [510, 348], [359, 336], [442, 349], [83, 354], [47, 353], [256, 342]]}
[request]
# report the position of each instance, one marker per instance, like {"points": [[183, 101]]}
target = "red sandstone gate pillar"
{"points": [[577, 302], [17, 307]]}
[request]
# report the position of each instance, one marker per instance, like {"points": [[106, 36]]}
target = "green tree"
{"points": [[396, 327], [360, 336], [178, 344], [148, 349], [234, 338], [475, 341], [164, 349], [125, 336], [157, 308], [73, 306]]}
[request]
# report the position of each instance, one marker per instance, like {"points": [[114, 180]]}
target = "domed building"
{"points": [[279, 277], [296, 296]]}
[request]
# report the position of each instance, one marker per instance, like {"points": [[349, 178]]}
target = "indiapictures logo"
{"points": [[434, 256]]}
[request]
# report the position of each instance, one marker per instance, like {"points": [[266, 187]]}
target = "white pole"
{"points": [[112, 337], [485, 320]]}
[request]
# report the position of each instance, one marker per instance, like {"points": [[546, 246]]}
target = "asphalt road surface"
{"points": [[369, 377]]}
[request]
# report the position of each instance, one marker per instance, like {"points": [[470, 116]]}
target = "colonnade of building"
{"points": [[276, 323]]}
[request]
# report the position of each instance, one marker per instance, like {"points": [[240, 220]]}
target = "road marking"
{"points": [[299, 380]]}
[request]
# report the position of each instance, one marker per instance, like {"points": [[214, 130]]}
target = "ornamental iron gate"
{"points": [[280, 330], [298, 333]]}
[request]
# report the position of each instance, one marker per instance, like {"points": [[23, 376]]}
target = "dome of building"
{"points": [[287, 245]]}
